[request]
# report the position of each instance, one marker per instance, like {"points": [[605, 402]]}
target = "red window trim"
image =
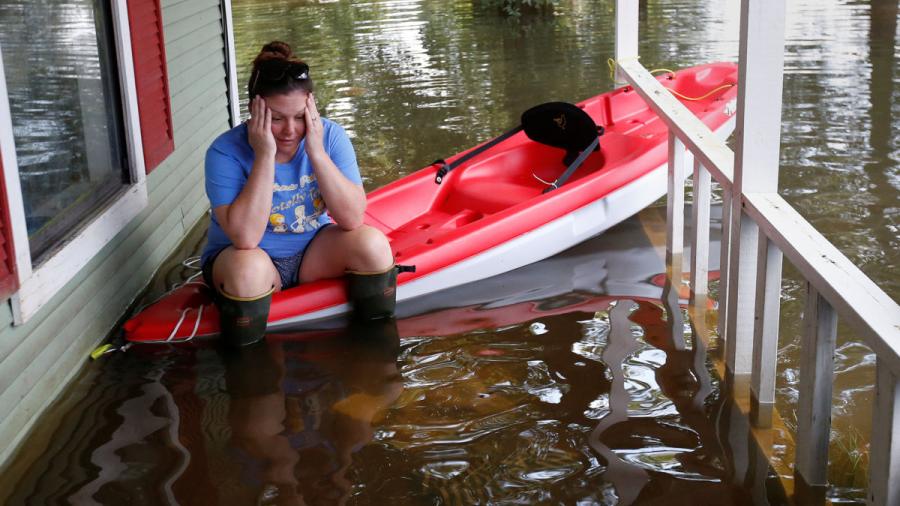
{"points": [[9, 278], [151, 75]]}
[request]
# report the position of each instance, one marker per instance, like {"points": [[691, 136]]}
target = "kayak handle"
{"points": [[445, 168]]}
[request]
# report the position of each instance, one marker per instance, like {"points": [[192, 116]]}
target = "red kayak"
{"points": [[493, 213]]}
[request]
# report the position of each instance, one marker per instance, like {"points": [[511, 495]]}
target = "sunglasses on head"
{"points": [[275, 71]]}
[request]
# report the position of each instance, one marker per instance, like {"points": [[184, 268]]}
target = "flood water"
{"points": [[559, 383]]}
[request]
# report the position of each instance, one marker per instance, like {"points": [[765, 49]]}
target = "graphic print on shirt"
{"points": [[317, 200], [307, 220], [306, 206], [277, 222], [284, 187]]}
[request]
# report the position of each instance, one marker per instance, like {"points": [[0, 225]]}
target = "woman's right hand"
{"points": [[259, 128]]}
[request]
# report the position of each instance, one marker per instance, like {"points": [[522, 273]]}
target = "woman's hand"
{"points": [[314, 130], [259, 129], [245, 219], [345, 200]]}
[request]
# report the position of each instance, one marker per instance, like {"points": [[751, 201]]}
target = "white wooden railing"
{"points": [[759, 230]]}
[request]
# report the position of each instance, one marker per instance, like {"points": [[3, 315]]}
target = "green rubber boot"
{"points": [[242, 320], [373, 295]]}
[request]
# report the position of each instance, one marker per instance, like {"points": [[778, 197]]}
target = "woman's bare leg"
{"points": [[245, 272], [335, 250]]}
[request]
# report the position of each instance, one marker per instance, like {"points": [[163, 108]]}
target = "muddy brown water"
{"points": [[560, 383]]}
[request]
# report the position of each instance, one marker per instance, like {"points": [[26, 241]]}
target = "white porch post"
{"points": [[760, 74], [626, 32], [884, 459], [816, 388], [765, 336], [675, 210], [700, 234]]}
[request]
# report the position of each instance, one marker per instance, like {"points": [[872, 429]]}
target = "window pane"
{"points": [[61, 78]]}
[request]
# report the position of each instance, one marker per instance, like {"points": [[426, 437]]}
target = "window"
{"points": [[66, 113], [84, 115]]}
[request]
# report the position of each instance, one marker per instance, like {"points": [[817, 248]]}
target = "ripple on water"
{"points": [[503, 415]]}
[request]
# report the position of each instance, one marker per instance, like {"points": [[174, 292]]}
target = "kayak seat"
{"points": [[561, 125], [557, 124], [490, 195]]}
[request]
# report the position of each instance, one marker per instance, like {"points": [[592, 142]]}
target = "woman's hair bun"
{"points": [[277, 49], [277, 58]]}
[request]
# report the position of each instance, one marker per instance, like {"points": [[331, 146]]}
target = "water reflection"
{"points": [[299, 410], [574, 388], [568, 380]]}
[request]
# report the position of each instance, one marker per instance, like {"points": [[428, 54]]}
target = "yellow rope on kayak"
{"points": [[654, 71], [612, 70], [612, 74], [723, 87]]}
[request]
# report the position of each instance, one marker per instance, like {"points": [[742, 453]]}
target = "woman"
{"points": [[274, 184]]}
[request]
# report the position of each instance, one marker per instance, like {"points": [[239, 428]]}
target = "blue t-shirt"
{"points": [[297, 206]]}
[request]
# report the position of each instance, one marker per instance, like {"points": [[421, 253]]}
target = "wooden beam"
{"points": [[724, 257], [678, 159], [857, 298], [884, 457], [700, 233], [760, 77], [816, 387], [627, 29], [765, 334], [675, 210], [741, 292], [711, 149], [756, 159]]}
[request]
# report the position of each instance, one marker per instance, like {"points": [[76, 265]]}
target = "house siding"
{"points": [[38, 359]]}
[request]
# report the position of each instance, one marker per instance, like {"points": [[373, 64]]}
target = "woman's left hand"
{"points": [[314, 130]]}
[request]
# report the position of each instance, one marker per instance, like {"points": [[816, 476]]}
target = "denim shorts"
{"points": [[288, 267]]}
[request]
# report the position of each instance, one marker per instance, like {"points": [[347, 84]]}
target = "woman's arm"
{"points": [[244, 220], [345, 200]]}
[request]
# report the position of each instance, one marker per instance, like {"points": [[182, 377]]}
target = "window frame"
{"points": [[39, 283], [234, 103]]}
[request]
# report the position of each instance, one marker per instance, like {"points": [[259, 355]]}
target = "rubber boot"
{"points": [[372, 295], [242, 320]]}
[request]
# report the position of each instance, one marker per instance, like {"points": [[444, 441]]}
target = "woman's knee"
{"points": [[372, 250], [244, 273]]}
